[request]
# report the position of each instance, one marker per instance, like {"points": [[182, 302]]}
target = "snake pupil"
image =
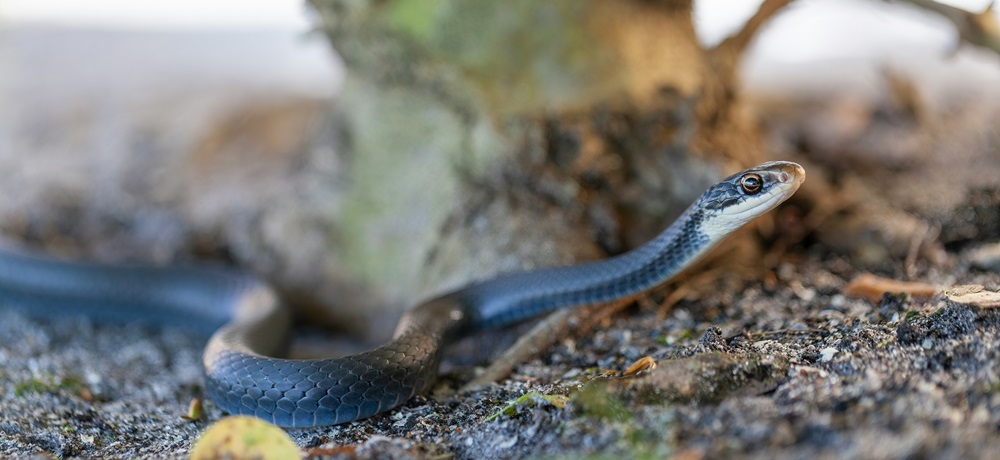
{"points": [[751, 183]]}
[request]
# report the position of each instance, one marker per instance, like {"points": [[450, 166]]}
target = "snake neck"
{"points": [[518, 296]]}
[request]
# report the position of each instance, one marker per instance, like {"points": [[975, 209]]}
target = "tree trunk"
{"points": [[483, 136]]}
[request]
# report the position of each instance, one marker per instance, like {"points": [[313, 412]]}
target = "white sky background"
{"points": [[715, 18], [807, 31], [158, 14]]}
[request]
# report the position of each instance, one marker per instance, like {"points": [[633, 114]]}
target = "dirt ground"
{"points": [[790, 371]]}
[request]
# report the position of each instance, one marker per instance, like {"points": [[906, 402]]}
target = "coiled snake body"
{"points": [[251, 325]]}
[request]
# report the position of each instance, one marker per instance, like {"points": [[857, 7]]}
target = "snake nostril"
{"points": [[784, 177]]}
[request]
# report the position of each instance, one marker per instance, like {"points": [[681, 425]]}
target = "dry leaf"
{"points": [[642, 364], [196, 411]]}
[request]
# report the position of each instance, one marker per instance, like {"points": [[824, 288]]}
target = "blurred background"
{"points": [[191, 44], [160, 131]]}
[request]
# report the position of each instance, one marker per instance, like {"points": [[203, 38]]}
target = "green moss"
{"points": [[520, 55], [30, 386], [597, 400], [682, 336], [528, 400], [48, 385], [600, 405], [418, 18]]}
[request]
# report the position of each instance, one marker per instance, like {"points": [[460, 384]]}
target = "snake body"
{"points": [[251, 325]]}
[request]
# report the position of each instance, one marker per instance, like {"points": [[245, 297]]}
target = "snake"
{"points": [[250, 327]]}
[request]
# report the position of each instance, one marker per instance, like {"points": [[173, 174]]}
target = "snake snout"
{"points": [[792, 172]]}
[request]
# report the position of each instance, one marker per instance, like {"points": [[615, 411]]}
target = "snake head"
{"points": [[742, 197]]}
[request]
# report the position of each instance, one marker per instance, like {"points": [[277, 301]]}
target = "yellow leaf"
{"points": [[244, 437]]}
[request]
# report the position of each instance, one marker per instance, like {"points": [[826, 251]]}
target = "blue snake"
{"points": [[251, 326]]}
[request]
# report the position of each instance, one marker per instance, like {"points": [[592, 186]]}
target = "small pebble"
{"points": [[572, 373], [786, 271], [986, 257], [827, 354], [508, 443], [927, 344], [837, 300]]}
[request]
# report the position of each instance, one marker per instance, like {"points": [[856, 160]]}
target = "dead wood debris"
{"points": [[871, 288], [973, 295], [541, 337], [705, 377]]}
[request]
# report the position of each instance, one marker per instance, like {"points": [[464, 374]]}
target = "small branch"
{"points": [[541, 337], [738, 42], [980, 29]]}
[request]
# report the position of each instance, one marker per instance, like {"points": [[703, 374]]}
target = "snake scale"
{"points": [[251, 326]]}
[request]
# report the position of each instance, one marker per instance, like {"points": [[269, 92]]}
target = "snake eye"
{"points": [[751, 183]]}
